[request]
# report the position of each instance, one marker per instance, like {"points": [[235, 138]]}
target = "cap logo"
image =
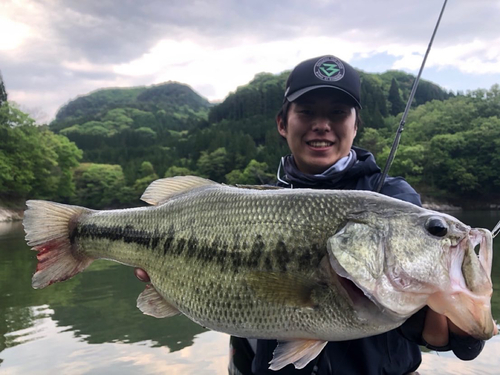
{"points": [[329, 68]]}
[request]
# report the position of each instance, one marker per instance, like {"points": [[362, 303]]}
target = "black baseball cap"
{"points": [[324, 71]]}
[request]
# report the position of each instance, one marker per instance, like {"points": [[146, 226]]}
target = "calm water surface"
{"points": [[90, 325]]}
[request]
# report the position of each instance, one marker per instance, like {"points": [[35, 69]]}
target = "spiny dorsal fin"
{"points": [[162, 190]]}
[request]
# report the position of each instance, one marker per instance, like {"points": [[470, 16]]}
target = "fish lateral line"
{"points": [[127, 233]]}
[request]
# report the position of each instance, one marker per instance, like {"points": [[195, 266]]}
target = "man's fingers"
{"points": [[435, 329], [141, 275]]}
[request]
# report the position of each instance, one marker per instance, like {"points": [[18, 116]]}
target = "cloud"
{"points": [[18, 30], [56, 50]]}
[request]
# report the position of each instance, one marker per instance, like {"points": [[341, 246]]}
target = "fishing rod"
{"points": [[401, 126]]}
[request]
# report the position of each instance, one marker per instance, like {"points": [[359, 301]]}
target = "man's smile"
{"points": [[319, 144]]}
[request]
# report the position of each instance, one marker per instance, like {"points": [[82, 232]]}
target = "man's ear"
{"points": [[281, 126], [356, 123]]}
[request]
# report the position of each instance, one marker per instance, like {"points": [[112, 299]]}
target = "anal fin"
{"points": [[150, 302], [298, 352]]}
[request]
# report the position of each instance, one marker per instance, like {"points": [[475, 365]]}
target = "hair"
{"points": [[283, 114]]}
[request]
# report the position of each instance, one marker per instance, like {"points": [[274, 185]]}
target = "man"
{"points": [[319, 120]]}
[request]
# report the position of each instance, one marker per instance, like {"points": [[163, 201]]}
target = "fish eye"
{"points": [[436, 226]]}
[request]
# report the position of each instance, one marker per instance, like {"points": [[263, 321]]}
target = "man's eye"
{"points": [[338, 111], [306, 112]]}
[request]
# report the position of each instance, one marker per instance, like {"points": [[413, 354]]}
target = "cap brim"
{"points": [[299, 93]]}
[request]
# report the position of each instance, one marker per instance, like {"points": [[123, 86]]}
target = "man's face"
{"points": [[320, 129]]}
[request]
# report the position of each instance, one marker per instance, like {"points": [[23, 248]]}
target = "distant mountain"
{"points": [[170, 126], [170, 97], [263, 96]]}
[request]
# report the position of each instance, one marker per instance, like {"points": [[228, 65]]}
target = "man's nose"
{"points": [[322, 124]]}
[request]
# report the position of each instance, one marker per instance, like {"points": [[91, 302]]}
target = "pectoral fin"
{"points": [[298, 352], [150, 302]]}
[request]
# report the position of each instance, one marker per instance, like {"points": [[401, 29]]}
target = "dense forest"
{"points": [[104, 148]]}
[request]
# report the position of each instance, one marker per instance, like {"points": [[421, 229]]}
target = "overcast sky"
{"points": [[52, 51]]}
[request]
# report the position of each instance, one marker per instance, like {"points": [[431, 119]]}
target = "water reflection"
{"points": [[103, 309], [56, 350], [98, 304], [488, 362], [90, 324]]}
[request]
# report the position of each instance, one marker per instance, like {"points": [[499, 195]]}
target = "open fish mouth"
{"points": [[363, 301], [483, 238], [458, 286], [467, 299]]}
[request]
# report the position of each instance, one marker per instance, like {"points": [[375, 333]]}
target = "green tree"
{"points": [[179, 171], [147, 175], [235, 177], [408, 163], [255, 173], [145, 136], [147, 169], [374, 101], [3, 92], [213, 165], [448, 168], [99, 185], [258, 173], [34, 162], [466, 163], [119, 116], [396, 103], [371, 139]]}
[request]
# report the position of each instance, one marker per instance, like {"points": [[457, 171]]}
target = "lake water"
{"points": [[90, 325]]}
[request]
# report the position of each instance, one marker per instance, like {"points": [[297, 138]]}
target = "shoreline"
{"points": [[441, 207], [8, 215]]}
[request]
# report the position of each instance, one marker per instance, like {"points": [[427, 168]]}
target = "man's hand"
{"points": [[141, 275], [437, 328]]}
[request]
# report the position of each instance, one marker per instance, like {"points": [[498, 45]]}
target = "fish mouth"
{"points": [[464, 299], [356, 295], [363, 302], [467, 299], [470, 314]]}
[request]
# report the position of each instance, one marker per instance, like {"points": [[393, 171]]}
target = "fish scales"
{"points": [[209, 242], [318, 265]]}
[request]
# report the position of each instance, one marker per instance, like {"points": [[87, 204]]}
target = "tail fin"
{"points": [[48, 228]]}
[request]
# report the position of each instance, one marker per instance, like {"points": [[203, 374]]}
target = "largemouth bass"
{"points": [[301, 266]]}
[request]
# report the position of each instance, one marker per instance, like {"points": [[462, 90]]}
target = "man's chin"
{"points": [[318, 165]]}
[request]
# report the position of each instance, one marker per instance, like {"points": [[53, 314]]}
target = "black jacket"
{"points": [[394, 352]]}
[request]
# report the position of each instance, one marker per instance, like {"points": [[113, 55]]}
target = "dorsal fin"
{"points": [[161, 190]]}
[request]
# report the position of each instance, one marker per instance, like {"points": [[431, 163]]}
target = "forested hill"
{"points": [[170, 130], [382, 95], [109, 145], [170, 97]]}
